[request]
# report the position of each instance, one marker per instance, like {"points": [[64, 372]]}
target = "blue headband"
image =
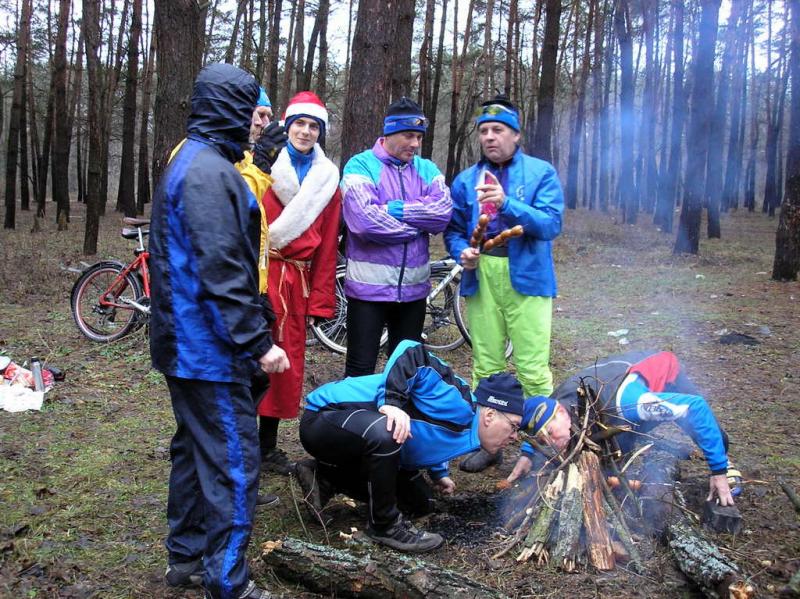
{"points": [[404, 122], [500, 114], [263, 98], [538, 412]]}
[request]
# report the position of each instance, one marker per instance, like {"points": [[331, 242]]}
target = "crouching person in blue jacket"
{"points": [[371, 437]]}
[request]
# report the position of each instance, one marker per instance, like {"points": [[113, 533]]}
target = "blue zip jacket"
{"points": [[534, 199], [207, 321], [444, 422]]}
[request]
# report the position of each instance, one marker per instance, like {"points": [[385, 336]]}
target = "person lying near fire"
{"points": [[638, 390], [372, 435]]}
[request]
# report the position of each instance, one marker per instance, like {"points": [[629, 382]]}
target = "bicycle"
{"points": [[444, 327], [111, 299]]}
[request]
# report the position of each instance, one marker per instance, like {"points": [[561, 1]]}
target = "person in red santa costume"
{"points": [[302, 207]]}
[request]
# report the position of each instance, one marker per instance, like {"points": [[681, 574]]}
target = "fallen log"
{"points": [[700, 559], [367, 573], [598, 544], [567, 548], [790, 493]]}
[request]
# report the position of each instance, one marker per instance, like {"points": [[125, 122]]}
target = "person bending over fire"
{"points": [[372, 435], [638, 390]]}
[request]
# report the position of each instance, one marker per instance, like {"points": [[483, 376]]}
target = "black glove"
{"points": [[268, 146]]}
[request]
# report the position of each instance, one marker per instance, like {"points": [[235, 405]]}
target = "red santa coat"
{"points": [[303, 230]]}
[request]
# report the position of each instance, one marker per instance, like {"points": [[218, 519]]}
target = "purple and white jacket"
{"points": [[390, 209]]}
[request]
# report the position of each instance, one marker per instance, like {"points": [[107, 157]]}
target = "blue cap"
{"points": [[501, 391], [500, 110], [263, 98], [537, 413], [404, 115]]}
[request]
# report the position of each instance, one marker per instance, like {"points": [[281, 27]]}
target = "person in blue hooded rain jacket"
{"points": [[208, 334], [371, 437]]}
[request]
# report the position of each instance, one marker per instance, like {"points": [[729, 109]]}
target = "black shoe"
{"points": [[187, 574], [276, 460], [404, 536], [267, 499], [316, 492], [480, 461]]}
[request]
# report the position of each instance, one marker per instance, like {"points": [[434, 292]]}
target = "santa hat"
{"points": [[306, 104]]}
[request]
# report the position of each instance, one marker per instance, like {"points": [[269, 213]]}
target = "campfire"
{"points": [[585, 509]]}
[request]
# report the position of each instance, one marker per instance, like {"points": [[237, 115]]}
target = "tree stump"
{"points": [[367, 572]]}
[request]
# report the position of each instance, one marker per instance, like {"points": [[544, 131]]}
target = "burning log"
{"points": [[601, 555], [701, 560], [364, 572], [539, 534], [567, 546]]}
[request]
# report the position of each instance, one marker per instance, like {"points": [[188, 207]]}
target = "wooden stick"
{"points": [[567, 546], [539, 534], [790, 494], [598, 544]]}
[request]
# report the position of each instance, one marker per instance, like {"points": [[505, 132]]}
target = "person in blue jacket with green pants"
{"points": [[509, 289]]}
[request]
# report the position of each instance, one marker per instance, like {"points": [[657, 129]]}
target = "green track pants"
{"points": [[497, 313]]}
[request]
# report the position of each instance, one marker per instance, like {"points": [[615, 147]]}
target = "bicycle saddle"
{"points": [[133, 233]]}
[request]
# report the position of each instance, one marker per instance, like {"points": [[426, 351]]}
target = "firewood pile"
{"points": [[585, 509]]}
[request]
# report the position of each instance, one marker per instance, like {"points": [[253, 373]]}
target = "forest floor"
{"points": [[83, 482]]}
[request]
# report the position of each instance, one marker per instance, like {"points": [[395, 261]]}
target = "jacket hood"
{"points": [[223, 100]]}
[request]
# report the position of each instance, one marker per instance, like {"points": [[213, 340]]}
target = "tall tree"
{"points": [[718, 117], [432, 108], [547, 83], [273, 47], [404, 35], [143, 175], [23, 35], [370, 81], [179, 35], [91, 36], [628, 200], [60, 171], [670, 174], [786, 265], [688, 239], [733, 167], [126, 197]]}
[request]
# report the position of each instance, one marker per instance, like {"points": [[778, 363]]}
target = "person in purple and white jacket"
{"points": [[393, 200]]}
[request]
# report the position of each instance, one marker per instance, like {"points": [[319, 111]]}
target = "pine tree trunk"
{"points": [[24, 188], [547, 83], [433, 104], [126, 196], [370, 77], [274, 48], [179, 35], [23, 34], [628, 201], [143, 176], [230, 53], [401, 60], [688, 239], [61, 142], [733, 164], [91, 36], [322, 66]]}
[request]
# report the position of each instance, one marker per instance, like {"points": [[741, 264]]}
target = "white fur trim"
{"points": [[308, 108], [302, 203]]}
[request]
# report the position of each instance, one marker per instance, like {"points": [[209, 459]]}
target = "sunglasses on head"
{"points": [[495, 109], [411, 121]]}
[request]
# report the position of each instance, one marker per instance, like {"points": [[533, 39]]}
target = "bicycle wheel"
{"points": [[332, 332], [440, 330], [98, 302], [460, 313]]}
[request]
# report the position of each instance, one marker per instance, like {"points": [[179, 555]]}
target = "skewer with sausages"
{"points": [[480, 231], [503, 237]]}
